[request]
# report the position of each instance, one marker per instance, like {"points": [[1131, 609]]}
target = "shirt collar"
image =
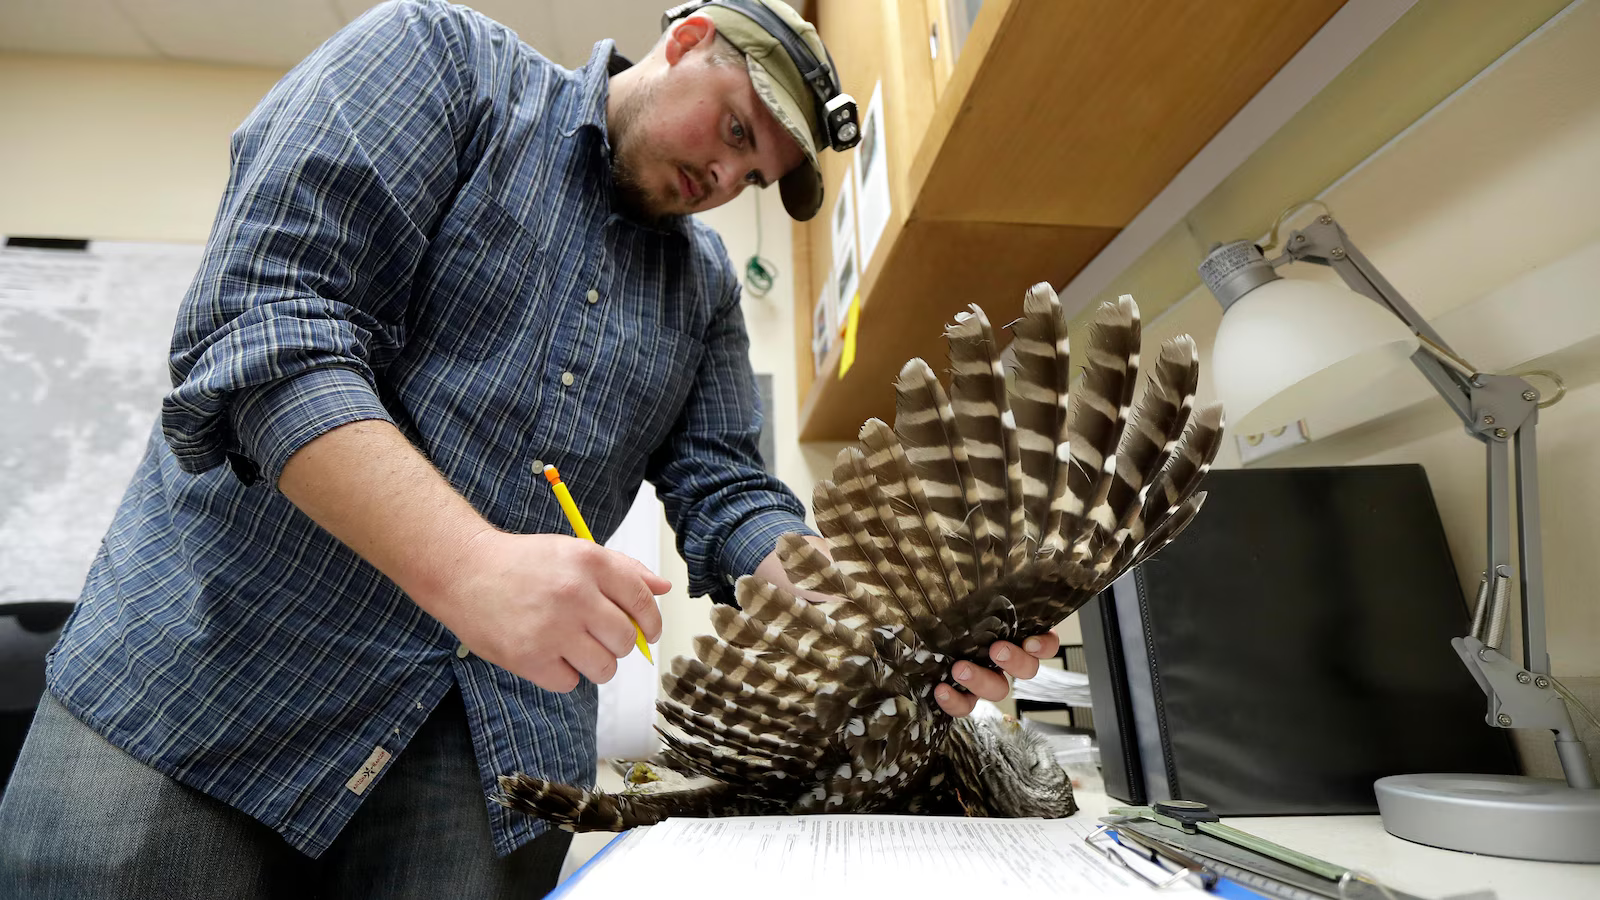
{"points": [[594, 81]]}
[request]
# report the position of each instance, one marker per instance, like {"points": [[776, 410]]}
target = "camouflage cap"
{"points": [[783, 91]]}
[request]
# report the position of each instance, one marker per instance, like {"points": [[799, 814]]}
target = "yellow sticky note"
{"points": [[848, 356]]}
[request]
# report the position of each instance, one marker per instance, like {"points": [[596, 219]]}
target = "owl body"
{"points": [[988, 511]]}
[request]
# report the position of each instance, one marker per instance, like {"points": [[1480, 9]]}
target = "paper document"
{"points": [[1054, 685], [781, 857]]}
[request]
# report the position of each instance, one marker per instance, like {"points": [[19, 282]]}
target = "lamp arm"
{"points": [[1325, 243], [1498, 410]]}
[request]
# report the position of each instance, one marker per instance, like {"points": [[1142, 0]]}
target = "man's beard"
{"points": [[627, 146], [631, 196]]}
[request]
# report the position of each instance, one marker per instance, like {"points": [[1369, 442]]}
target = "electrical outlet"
{"points": [[1257, 446]]}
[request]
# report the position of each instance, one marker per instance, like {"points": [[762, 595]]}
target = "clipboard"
{"points": [[1162, 876], [1191, 831]]}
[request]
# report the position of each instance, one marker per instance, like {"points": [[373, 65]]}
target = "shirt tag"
{"points": [[369, 770]]}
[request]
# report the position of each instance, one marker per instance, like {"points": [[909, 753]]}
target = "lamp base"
{"points": [[1497, 815]]}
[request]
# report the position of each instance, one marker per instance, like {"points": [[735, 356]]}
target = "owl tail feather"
{"points": [[575, 809]]}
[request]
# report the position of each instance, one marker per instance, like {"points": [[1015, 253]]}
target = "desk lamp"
{"points": [[1286, 347]]}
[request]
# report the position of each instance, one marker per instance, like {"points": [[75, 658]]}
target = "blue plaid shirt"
{"points": [[419, 228]]}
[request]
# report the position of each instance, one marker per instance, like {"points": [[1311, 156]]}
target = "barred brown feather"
{"points": [[987, 429], [914, 523], [926, 428], [1039, 398], [1098, 414]]}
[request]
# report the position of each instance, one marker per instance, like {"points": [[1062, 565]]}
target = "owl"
{"points": [[988, 511]]}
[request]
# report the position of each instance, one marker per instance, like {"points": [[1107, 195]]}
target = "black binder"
{"points": [[1290, 648]]}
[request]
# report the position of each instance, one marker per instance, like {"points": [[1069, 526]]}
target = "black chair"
{"points": [[28, 629]]}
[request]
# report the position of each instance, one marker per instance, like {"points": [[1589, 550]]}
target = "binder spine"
{"points": [[1169, 764], [1113, 712]]}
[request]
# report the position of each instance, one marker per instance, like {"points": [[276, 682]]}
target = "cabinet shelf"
{"points": [[1060, 120]]}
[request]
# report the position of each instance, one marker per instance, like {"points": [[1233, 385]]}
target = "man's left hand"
{"points": [[1018, 662], [980, 681]]}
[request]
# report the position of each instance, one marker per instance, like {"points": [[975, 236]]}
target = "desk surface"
{"points": [[1361, 843]]}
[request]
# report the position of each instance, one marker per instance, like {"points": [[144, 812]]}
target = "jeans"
{"points": [[82, 819]]}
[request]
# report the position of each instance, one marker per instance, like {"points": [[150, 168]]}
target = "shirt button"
{"points": [[593, 296], [567, 379], [461, 652]]}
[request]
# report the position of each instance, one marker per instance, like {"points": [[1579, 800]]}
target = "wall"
{"points": [[1484, 214], [118, 149]]}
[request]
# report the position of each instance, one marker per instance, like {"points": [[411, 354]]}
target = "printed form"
{"points": [[801, 856]]}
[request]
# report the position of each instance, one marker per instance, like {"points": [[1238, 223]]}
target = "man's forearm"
{"points": [[370, 488]]}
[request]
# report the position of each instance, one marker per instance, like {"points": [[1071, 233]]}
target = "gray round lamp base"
{"points": [[1497, 815]]}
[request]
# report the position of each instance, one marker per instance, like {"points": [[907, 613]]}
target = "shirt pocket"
{"points": [[484, 269], [655, 375]]}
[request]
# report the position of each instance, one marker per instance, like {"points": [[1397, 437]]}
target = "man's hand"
{"points": [[1018, 662], [550, 608], [542, 606]]}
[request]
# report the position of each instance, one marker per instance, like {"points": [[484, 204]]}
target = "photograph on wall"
{"points": [[846, 270], [847, 285], [822, 328], [844, 215], [872, 178]]}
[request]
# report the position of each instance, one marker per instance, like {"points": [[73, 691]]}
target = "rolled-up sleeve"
{"points": [[336, 180], [727, 510]]}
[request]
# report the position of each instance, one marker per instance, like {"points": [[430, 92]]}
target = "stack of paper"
{"points": [[1069, 746], [1054, 685]]}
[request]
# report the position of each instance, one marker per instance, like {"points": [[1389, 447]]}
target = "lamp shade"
{"points": [[1289, 347]]}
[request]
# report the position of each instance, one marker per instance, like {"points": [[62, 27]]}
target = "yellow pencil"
{"points": [[564, 497]]}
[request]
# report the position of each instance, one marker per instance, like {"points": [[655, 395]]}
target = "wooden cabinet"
{"points": [[1058, 121]]}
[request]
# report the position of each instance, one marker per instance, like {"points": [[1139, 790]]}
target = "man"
{"points": [[337, 599]]}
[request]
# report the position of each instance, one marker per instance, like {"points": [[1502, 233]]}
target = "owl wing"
{"points": [[989, 511], [996, 509]]}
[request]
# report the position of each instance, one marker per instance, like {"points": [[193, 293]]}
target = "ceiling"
{"points": [[278, 33]]}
